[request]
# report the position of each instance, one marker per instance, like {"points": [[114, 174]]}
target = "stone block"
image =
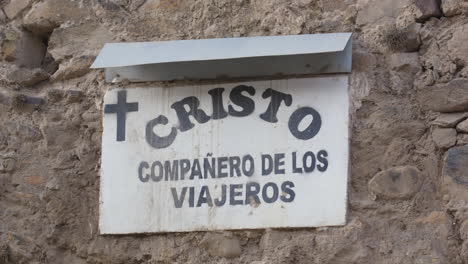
{"points": [[462, 139], [49, 64], [456, 165], [22, 48], [221, 246], [449, 97], [14, 7], [376, 11], [21, 100], [44, 16], [454, 7], [75, 68], [450, 119], [454, 175], [402, 40], [35, 180], [405, 62], [3, 17], [429, 8], [27, 77], [464, 230], [64, 43], [444, 138], [396, 183], [463, 127], [457, 45], [439, 221], [7, 163], [333, 5]]}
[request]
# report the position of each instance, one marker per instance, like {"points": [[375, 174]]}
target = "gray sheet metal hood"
{"points": [[226, 57]]}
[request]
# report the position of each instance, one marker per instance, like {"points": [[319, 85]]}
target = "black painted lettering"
{"points": [[267, 164], [184, 116], [191, 199], [287, 193], [309, 166], [209, 167], [279, 163], [218, 106], [171, 173], [246, 103], [205, 197], [234, 166], [156, 141], [234, 193], [296, 118], [178, 201], [294, 162], [322, 158], [222, 164], [160, 175], [184, 168], [251, 193], [196, 170], [221, 202], [274, 195], [248, 162], [275, 103], [146, 177]]}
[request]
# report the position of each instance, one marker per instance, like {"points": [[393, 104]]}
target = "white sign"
{"points": [[243, 155]]}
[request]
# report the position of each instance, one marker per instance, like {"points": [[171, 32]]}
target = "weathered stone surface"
{"points": [[405, 62], [444, 137], [402, 40], [19, 101], [27, 77], [77, 67], [74, 96], [58, 135], [450, 119], [380, 11], [429, 8], [63, 42], [455, 177], [464, 230], [22, 48], [134, 5], [462, 139], [456, 165], [3, 17], [23, 131], [7, 163], [457, 44], [439, 221], [454, 7], [44, 16], [449, 97], [221, 246], [333, 5], [396, 183], [463, 127], [35, 180], [14, 7], [404, 66]]}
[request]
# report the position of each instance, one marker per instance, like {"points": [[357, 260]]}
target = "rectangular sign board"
{"points": [[263, 154]]}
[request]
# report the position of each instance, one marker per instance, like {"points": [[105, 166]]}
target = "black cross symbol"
{"points": [[121, 109]]}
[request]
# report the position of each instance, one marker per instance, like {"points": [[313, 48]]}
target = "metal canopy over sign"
{"points": [[228, 57], [242, 155]]}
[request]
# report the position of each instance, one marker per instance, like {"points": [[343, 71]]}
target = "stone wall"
{"points": [[408, 188]]}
